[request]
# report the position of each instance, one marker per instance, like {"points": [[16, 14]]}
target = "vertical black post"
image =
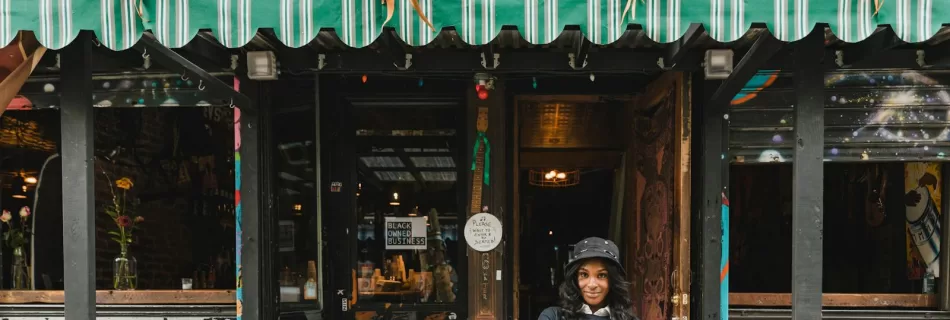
{"points": [[808, 177], [500, 201], [79, 221], [943, 283], [259, 92], [711, 183], [251, 210]]}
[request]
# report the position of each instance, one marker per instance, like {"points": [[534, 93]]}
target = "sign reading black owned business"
{"points": [[405, 233]]}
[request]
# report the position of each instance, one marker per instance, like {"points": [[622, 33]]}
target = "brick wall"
{"points": [[174, 239]]}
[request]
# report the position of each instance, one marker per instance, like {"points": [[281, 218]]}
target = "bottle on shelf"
{"points": [[310, 287]]}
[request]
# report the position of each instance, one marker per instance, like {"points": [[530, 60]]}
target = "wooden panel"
{"points": [[650, 204], [682, 197], [125, 297], [837, 300], [570, 159]]}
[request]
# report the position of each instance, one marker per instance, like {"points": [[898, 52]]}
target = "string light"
{"points": [[364, 78], [534, 82], [592, 77], [420, 82]]}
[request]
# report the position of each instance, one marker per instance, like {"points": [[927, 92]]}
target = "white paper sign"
{"points": [[483, 232], [406, 233]]}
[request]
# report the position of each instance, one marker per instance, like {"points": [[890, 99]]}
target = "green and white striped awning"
{"points": [[119, 23]]}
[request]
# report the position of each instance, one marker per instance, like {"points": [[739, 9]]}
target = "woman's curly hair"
{"points": [[618, 297]]}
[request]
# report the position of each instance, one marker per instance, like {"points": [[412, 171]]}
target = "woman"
{"points": [[595, 287]]}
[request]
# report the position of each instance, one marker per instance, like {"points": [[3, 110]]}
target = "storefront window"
{"points": [[294, 159], [164, 192], [885, 145], [31, 177], [408, 244]]}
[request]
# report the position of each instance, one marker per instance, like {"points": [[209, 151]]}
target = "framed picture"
{"points": [[285, 232]]}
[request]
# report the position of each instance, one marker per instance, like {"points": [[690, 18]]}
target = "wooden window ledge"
{"points": [[868, 300], [124, 297]]}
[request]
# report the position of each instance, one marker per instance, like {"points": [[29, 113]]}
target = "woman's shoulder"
{"points": [[551, 313]]}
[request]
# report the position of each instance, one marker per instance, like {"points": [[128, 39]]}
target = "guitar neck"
{"points": [[478, 180]]}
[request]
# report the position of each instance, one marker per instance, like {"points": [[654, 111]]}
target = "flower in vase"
{"points": [[6, 216], [124, 221], [24, 212], [125, 183]]}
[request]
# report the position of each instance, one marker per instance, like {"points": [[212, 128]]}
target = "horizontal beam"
{"points": [[870, 300], [454, 61], [570, 159]]}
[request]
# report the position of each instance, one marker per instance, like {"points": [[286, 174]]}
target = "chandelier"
{"points": [[554, 178]]}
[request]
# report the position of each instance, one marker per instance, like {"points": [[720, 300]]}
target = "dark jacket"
{"points": [[554, 313]]}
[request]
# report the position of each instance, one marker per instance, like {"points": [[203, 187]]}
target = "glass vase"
{"points": [[20, 271], [124, 272]]}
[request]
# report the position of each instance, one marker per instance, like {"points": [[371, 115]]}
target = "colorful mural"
{"points": [[238, 228], [866, 114], [922, 198], [724, 263]]}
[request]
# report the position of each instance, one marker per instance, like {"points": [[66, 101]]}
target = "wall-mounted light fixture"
{"points": [[261, 65], [718, 64]]}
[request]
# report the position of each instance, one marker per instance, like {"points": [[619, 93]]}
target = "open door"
{"points": [[657, 200]]}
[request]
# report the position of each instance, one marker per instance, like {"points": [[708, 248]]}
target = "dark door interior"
{"points": [[555, 218]]}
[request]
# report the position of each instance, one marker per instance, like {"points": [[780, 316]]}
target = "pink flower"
{"points": [[6, 216], [124, 221], [24, 212]]}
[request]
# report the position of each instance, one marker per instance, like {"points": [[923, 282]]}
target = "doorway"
{"points": [[555, 218], [630, 156]]}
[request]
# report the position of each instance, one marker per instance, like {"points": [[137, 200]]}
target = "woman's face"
{"points": [[593, 281]]}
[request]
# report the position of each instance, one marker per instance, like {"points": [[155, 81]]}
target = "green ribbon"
{"points": [[481, 137]]}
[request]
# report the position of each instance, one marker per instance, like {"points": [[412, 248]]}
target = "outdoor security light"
{"points": [[261, 65], [718, 64]]}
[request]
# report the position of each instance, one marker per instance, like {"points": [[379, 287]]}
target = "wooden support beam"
{"points": [[850, 300], [124, 297]]}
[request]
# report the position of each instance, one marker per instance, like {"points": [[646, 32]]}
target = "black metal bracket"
{"points": [[152, 49], [489, 54], [679, 49], [869, 51], [765, 46], [402, 59], [577, 60]]}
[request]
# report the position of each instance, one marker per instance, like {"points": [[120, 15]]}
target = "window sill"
{"points": [[870, 300], [124, 297]]}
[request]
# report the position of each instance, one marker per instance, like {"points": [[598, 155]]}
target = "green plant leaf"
{"points": [[115, 233]]}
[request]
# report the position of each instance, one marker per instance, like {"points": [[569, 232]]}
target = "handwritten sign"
{"points": [[483, 232], [405, 233]]}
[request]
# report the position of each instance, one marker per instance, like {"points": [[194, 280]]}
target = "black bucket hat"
{"points": [[595, 247]]}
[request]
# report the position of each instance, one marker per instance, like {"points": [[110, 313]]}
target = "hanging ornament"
{"points": [[534, 82], [364, 78]]}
